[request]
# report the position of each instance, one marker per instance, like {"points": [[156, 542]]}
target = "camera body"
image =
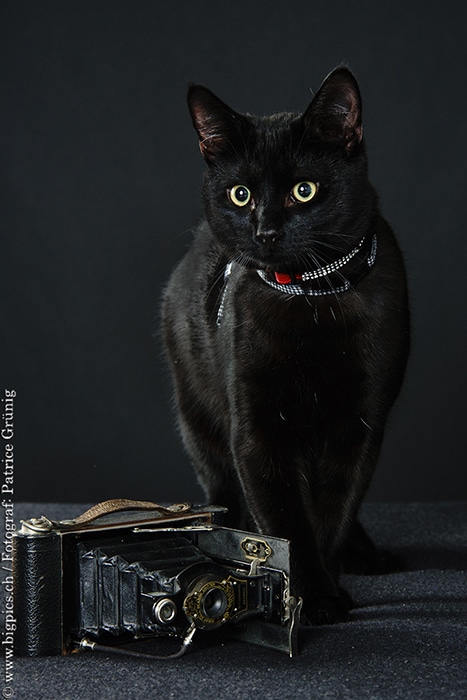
{"points": [[126, 571]]}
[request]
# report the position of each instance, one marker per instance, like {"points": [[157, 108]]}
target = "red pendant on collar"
{"points": [[285, 278]]}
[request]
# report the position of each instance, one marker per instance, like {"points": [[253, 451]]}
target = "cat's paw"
{"points": [[327, 610]]}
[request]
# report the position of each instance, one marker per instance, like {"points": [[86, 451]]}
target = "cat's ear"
{"points": [[217, 125], [335, 114]]}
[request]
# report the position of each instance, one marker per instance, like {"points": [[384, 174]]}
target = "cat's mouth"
{"points": [[285, 277], [281, 274], [304, 283], [288, 277], [278, 271], [335, 277]]}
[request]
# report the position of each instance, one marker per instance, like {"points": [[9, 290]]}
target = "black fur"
{"points": [[282, 403]]}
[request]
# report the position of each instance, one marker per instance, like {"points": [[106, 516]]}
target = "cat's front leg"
{"points": [[278, 500]]}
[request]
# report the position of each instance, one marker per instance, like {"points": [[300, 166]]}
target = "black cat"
{"points": [[287, 328]]}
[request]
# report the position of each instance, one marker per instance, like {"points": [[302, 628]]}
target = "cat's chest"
{"points": [[289, 372], [286, 339]]}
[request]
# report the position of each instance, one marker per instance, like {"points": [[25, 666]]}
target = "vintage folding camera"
{"points": [[130, 570]]}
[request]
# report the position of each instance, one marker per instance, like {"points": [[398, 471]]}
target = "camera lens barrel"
{"points": [[164, 611], [212, 600]]}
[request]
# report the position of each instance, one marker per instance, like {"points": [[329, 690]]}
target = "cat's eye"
{"points": [[304, 191], [240, 195]]}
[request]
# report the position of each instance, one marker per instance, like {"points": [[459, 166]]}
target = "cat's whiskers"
{"points": [[317, 259], [314, 307], [243, 259]]}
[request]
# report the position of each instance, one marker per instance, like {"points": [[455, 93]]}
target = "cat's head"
{"points": [[287, 192]]}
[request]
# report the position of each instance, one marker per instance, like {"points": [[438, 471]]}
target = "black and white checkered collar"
{"points": [[332, 278], [329, 279]]}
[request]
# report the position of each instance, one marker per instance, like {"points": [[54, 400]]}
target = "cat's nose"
{"points": [[267, 236]]}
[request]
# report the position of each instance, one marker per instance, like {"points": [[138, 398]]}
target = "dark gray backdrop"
{"points": [[100, 186]]}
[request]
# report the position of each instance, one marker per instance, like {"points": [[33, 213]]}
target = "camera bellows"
{"points": [[133, 588]]}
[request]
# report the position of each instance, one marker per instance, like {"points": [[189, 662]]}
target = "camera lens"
{"points": [[164, 611], [210, 601], [214, 603]]}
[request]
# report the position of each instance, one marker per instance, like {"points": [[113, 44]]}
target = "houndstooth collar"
{"points": [[287, 283], [329, 274]]}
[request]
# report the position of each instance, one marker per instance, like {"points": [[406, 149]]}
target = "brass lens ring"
{"points": [[209, 602]]}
